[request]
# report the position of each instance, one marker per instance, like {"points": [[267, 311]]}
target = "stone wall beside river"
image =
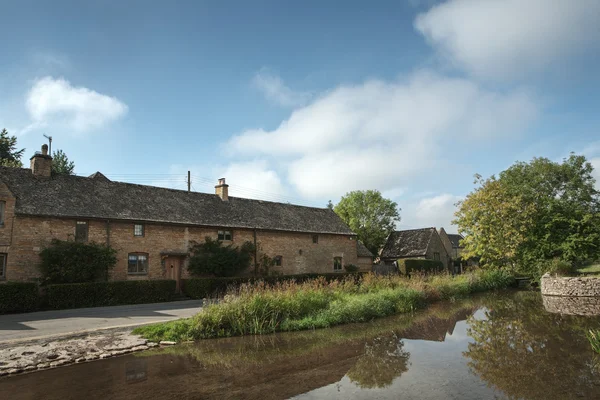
{"points": [[564, 286]]}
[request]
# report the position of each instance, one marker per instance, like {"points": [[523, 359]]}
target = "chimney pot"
{"points": [[45, 149]]}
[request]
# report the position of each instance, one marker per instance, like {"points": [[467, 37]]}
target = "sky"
{"points": [[304, 101]]}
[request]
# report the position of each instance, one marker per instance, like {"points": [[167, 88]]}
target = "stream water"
{"points": [[493, 346]]}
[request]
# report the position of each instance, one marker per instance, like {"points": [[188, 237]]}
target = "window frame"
{"points": [[341, 264], [87, 231], [3, 266], [2, 212], [315, 238], [222, 236], [436, 256], [137, 255], [278, 261], [143, 229]]}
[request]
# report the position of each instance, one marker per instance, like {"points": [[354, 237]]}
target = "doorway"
{"points": [[173, 265]]}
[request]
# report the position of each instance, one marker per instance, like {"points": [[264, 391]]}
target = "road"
{"points": [[52, 324]]}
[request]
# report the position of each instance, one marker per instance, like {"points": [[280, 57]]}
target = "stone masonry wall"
{"points": [[436, 246], [563, 286], [31, 234]]}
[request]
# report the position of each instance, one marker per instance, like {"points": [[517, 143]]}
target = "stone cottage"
{"points": [[422, 243], [364, 257], [151, 227]]}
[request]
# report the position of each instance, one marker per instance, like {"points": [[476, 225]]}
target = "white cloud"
{"points": [[509, 38], [596, 173], [437, 211], [380, 134], [253, 179], [276, 91], [56, 101]]}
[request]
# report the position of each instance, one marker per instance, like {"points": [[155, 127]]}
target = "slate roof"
{"points": [[455, 239], [361, 250], [98, 197], [409, 243]]}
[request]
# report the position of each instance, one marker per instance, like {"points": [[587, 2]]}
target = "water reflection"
{"points": [[493, 346], [533, 355]]}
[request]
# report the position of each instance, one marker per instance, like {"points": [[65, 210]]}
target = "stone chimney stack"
{"points": [[41, 163], [222, 190]]}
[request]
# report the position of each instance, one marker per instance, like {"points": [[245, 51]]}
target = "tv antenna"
{"points": [[49, 144]]}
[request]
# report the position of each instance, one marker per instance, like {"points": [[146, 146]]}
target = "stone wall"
{"points": [[22, 238], [364, 264], [436, 246], [564, 286]]}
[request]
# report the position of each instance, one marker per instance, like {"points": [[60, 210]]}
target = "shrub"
{"points": [[213, 258], [16, 297], [72, 262], [559, 267], [96, 294], [408, 266], [351, 268]]}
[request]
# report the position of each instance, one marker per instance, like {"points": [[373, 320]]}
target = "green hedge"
{"points": [[97, 294], [199, 288], [16, 297], [410, 265]]}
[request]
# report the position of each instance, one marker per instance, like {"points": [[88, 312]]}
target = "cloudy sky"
{"points": [[304, 101]]}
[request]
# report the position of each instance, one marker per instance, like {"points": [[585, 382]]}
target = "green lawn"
{"points": [[590, 270]]}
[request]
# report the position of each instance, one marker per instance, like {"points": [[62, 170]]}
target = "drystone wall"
{"points": [[564, 286]]}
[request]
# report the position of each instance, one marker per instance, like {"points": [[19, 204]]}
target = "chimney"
{"points": [[41, 163], [222, 190]]}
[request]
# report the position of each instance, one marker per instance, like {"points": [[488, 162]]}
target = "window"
{"points": [[138, 230], [2, 266], [436, 256], [137, 263], [278, 260], [337, 263], [81, 231], [225, 235], [315, 238], [2, 207]]}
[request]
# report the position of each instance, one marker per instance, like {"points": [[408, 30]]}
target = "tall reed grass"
{"points": [[259, 308]]}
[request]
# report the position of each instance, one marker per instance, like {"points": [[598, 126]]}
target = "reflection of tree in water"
{"points": [[528, 353], [383, 361]]}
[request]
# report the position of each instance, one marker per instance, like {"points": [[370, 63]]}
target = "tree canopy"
{"points": [[61, 164], [533, 212], [9, 155], [371, 216]]}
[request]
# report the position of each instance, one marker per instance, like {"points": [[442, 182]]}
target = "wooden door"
{"points": [[173, 265]]}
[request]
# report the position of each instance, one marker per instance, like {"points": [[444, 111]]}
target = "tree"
{"points": [[61, 164], [369, 215], [532, 213], [213, 258], [330, 205], [9, 155]]}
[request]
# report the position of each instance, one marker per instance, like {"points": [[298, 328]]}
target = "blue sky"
{"points": [[305, 101]]}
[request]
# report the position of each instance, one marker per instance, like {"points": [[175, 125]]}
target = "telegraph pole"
{"points": [[189, 181]]}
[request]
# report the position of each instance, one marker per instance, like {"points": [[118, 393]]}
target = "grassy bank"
{"points": [[288, 306]]}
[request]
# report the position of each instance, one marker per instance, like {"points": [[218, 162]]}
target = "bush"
{"points": [[559, 267], [72, 262], [408, 266], [212, 258], [96, 294], [351, 268], [16, 297]]}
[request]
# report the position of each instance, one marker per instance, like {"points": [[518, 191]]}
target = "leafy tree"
{"points": [[330, 205], [532, 213], [370, 215], [61, 164], [71, 262], [213, 258], [9, 155]]}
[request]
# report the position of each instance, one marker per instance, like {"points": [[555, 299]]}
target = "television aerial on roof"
{"points": [[49, 144]]}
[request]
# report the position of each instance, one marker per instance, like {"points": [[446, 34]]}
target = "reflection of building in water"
{"points": [[136, 371], [265, 367]]}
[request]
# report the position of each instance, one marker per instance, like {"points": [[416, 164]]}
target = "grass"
{"points": [[590, 270], [594, 338], [259, 308]]}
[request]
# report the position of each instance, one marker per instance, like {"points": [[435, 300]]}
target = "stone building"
{"points": [[422, 243], [364, 257], [152, 228]]}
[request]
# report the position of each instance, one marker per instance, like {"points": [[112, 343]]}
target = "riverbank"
{"points": [[289, 306]]}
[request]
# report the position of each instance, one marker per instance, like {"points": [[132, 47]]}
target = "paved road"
{"points": [[45, 324]]}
